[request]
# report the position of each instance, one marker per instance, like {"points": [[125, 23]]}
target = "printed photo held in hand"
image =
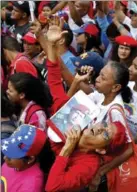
{"points": [[73, 113]]}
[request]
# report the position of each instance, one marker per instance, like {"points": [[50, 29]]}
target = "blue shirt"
{"points": [[67, 61]]}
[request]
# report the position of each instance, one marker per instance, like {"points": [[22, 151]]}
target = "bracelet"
{"points": [[120, 27]]}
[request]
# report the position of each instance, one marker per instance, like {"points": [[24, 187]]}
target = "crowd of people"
{"points": [[49, 51]]}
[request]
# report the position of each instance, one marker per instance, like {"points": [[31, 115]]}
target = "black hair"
{"points": [[128, 61], [7, 108], [46, 158], [10, 43], [121, 77], [113, 32], [33, 88], [4, 62]]}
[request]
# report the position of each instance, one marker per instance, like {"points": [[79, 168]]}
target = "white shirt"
{"points": [[74, 26], [116, 115], [131, 110], [133, 30]]}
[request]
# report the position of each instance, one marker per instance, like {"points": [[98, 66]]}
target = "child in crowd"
{"points": [[24, 151]]}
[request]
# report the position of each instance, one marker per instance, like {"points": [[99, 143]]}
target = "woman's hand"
{"points": [[73, 136], [84, 73]]}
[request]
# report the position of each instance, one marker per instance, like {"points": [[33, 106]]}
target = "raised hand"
{"points": [[72, 138], [55, 32], [36, 28], [84, 73]]}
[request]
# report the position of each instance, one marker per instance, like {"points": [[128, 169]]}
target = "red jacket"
{"points": [[73, 173], [56, 87]]}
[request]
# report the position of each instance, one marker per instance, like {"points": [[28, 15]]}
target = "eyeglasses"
{"points": [[105, 134]]}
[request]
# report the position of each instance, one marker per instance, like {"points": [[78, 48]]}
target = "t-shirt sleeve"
{"points": [[27, 67]]}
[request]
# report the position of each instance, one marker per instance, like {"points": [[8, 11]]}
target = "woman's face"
{"points": [[12, 93], [133, 70], [46, 11], [98, 136], [123, 52], [105, 81]]}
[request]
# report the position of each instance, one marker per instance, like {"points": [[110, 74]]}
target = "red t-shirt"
{"points": [[22, 64]]}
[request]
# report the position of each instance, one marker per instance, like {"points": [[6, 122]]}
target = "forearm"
{"points": [[74, 14], [119, 14], [73, 88], [59, 7], [121, 28], [117, 161]]}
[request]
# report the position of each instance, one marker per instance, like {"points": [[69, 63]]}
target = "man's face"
{"points": [[133, 71], [134, 20], [16, 14], [82, 7], [97, 137], [76, 117]]}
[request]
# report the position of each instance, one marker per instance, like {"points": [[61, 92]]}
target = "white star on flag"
{"points": [[19, 138], [4, 147], [6, 142], [29, 133], [13, 140], [26, 137]]}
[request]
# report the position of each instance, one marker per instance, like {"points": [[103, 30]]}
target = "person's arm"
{"points": [[117, 161], [119, 13], [59, 7], [74, 14], [121, 28], [71, 173], [78, 82]]}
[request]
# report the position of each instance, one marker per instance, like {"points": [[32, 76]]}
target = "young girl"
{"points": [[22, 151], [32, 96]]}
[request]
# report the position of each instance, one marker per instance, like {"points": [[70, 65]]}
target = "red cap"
{"points": [[126, 41], [30, 38], [91, 29], [120, 139]]}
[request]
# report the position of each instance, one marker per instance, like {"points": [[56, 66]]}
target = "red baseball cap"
{"points": [[89, 28], [126, 41], [30, 38]]}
